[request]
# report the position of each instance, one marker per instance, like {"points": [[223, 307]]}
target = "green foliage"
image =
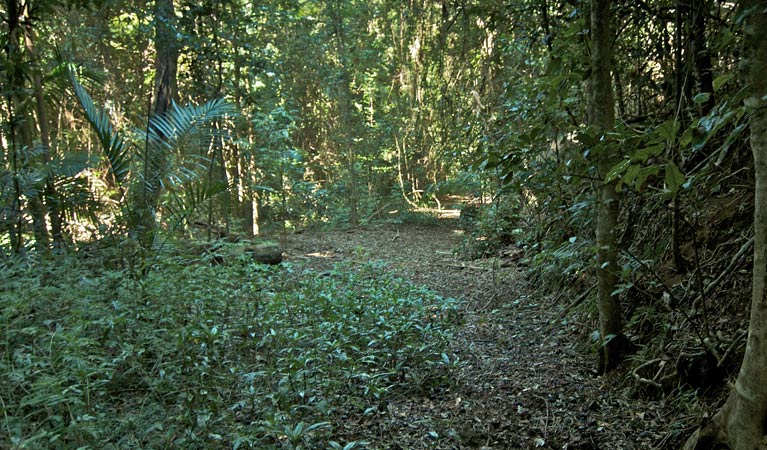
{"points": [[113, 143], [173, 162], [568, 262], [489, 227], [197, 355], [287, 198]]}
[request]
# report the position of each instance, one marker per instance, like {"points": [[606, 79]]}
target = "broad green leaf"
{"points": [[686, 137], [674, 178], [630, 176], [668, 130], [617, 170], [643, 175], [721, 80], [646, 153], [701, 98]]}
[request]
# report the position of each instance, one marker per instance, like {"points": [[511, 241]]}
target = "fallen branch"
{"points": [[741, 334], [575, 302], [462, 266], [375, 213], [725, 273], [643, 380], [487, 304]]}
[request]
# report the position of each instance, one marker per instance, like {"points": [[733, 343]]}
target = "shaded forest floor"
{"points": [[527, 374]]}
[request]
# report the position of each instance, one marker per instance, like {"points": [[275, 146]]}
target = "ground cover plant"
{"points": [[201, 355]]}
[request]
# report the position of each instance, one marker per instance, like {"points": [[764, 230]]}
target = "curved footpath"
{"points": [[527, 380]]}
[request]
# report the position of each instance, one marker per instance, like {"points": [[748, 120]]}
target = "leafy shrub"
{"points": [[209, 356], [489, 227], [561, 264]]}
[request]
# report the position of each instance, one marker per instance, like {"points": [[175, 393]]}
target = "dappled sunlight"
{"points": [[321, 254], [226, 181]]}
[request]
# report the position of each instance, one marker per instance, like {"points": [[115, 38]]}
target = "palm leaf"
{"points": [[181, 122], [193, 196], [170, 133], [58, 80], [113, 144]]}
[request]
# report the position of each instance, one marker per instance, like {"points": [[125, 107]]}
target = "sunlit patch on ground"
{"points": [[321, 254]]}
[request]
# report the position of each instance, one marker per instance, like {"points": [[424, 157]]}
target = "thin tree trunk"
{"points": [[547, 38], [51, 197], [619, 95], [15, 219], [700, 53], [680, 102], [237, 155], [253, 180], [166, 66], [17, 85], [345, 110], [740, 423], [603, 117], [15, 228]]}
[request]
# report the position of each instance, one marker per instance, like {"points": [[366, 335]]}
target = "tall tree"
{"points": [[602, 112], [741, 423], [345, 107], [155, 163], [51, 197], [18, 17]]}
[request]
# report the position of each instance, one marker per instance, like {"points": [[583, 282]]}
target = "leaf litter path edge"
{"points": [[526, 381]]}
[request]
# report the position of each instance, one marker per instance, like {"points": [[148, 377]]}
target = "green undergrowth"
{"points": [[208, 356]]}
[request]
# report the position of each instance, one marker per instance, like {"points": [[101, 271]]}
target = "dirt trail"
{"points": [[526, 380]]}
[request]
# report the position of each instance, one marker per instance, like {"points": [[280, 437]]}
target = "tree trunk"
{"points": [[166, 66], [740, 423], [680, 106], [602, 109], [18, 13], [345, 103], [166, 62], [700, 53], [51, 197]]}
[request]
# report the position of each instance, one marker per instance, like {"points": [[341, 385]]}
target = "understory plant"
{"points": [[160, 174], [201, 356]]}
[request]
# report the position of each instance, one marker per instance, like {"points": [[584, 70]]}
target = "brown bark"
{"points": [[602, 112], [266, 253], [700, 53], [166, 61], [166, 67], [740, 424], [51, 197], [680, 102]]}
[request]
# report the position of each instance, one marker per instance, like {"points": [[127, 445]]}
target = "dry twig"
{"points": [[652, 382]]}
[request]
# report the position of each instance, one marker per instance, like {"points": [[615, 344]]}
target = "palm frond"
{"points": [[168, 137], [113, 144], [70, 165], [180, 122], [76, 200], [187, 200], [58, 80]]}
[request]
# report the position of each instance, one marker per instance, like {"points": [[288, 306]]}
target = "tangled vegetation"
{"points": [[201, 355]]}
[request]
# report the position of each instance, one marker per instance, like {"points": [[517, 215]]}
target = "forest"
{"points": [[383, 224]]}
